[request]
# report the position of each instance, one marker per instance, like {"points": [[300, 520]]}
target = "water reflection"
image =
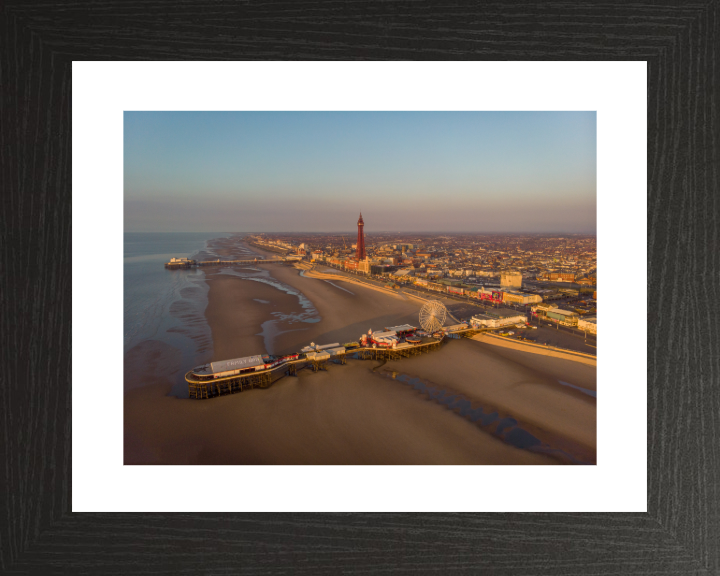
{"points": [[592, 393]]}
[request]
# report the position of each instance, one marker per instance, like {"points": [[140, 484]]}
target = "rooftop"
{"points": [[563, 312], [387, 334], [504, 313], [403, 328], [236, 364]]}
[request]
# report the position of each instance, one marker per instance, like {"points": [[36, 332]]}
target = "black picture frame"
{"points": [[680, 532]]}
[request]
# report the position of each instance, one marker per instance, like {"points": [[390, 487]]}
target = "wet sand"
{"points": [[554, 369], [236, 315], [348, 415], [517, 384], [150, 362], [345, 316]]}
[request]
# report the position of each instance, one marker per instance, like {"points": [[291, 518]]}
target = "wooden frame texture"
{"points": [[680, 532]]}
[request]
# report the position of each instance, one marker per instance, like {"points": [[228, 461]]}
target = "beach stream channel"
{"points": [[505, 428]]}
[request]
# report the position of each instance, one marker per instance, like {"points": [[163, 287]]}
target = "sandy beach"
{"points": [[238, 308], [349, 414], [522, 386]]}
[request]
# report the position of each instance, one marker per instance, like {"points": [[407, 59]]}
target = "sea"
{"points": [[157, 301], [169, 305], [150, 289]]}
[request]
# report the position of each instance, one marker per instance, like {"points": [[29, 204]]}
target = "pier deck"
{"points": [[226, 262], [201, 389], [203, 263]]}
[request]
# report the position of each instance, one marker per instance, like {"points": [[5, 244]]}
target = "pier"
{"points": [[202, 388], [255, 261], [184, 263]]}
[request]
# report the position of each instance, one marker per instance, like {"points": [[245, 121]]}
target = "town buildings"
{"points": [[518, 269]]}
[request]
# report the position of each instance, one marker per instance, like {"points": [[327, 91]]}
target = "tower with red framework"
{"points": [[360, 251]]}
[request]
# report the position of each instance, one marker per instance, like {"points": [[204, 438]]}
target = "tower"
{"points": [[360, 251]]}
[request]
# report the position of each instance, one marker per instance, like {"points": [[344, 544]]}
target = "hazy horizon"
{"points": [[295, 172]]}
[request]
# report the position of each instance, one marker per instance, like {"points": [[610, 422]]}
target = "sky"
{"points": [[485, 172]]}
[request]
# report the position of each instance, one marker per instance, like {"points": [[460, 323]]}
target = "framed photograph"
{"points": [[469, 280], [241, 348], [101, 468]]}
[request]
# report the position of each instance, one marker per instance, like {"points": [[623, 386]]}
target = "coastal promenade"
{"points": [[533, 348]]}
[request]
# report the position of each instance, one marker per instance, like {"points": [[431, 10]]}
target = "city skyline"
{"points": [[443, 172]]}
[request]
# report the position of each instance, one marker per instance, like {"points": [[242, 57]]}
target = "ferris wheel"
{"points": [[432, 316]]}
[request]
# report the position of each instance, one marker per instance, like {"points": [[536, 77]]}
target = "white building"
{"points": [[588, 324], [489, 321], [317, 347], [511, 280]]}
